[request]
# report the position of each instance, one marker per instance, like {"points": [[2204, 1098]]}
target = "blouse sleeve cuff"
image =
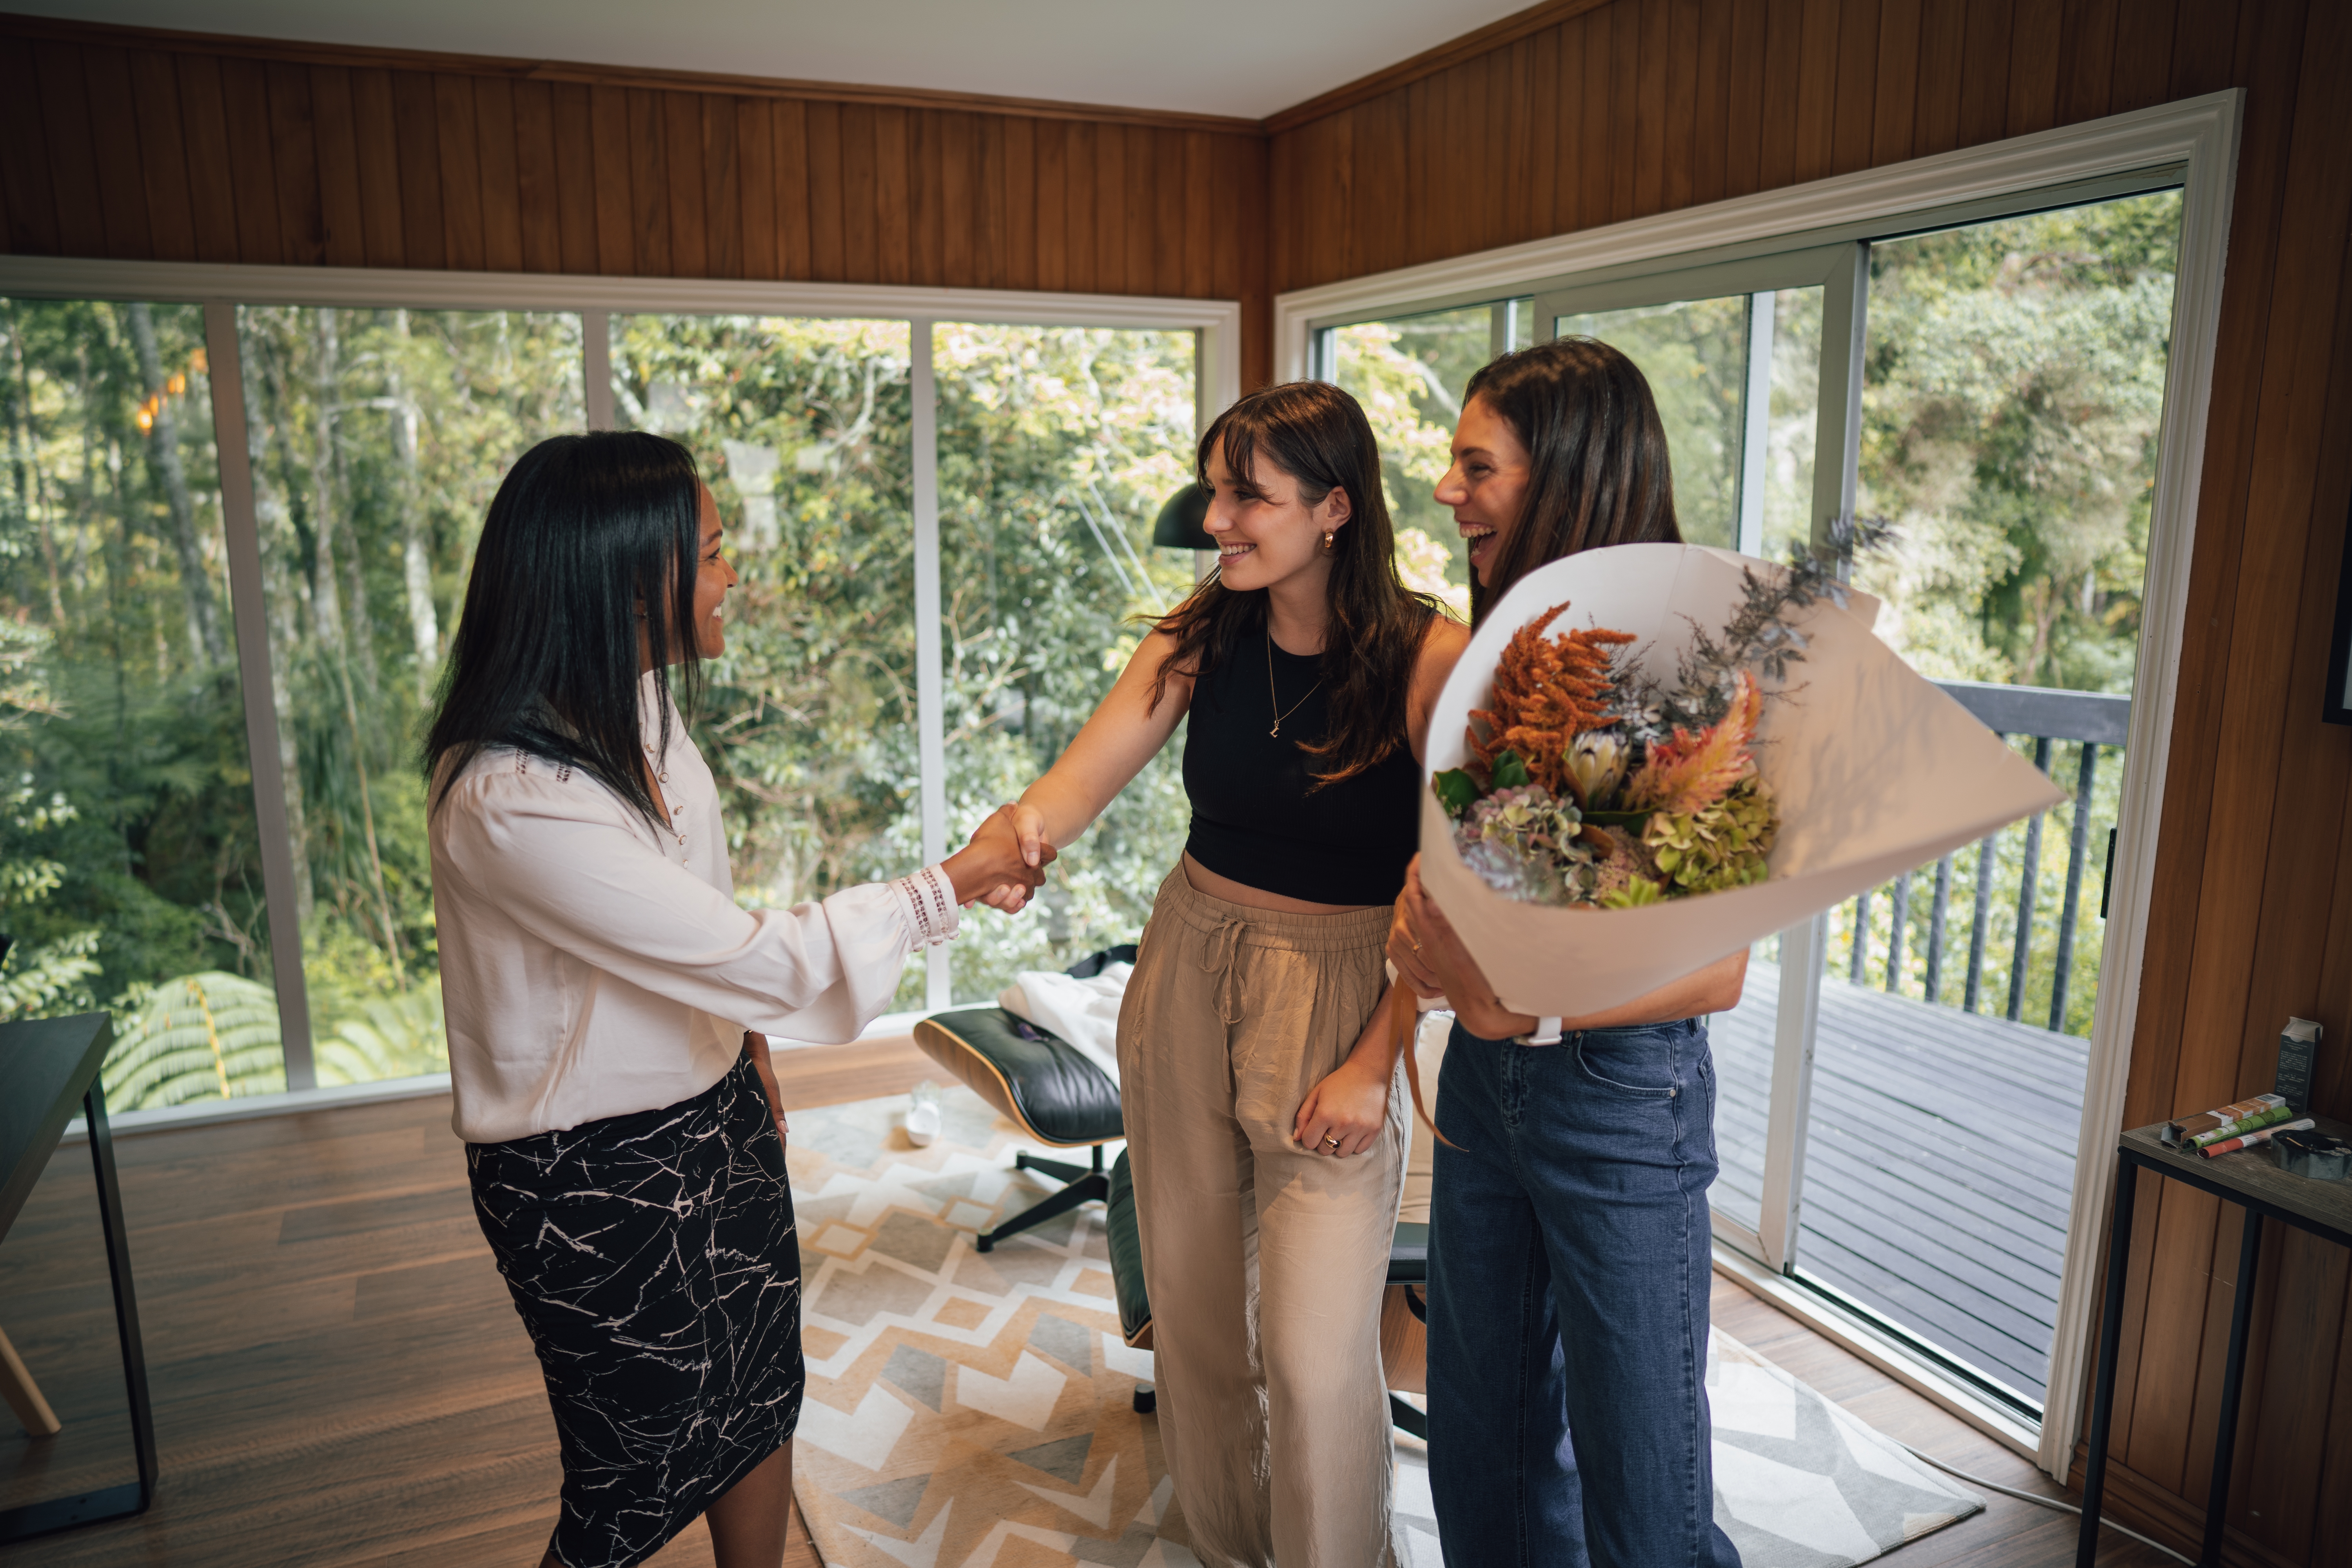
{"points": [[931, 905]]}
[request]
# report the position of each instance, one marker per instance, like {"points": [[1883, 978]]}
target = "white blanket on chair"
{"points": [[1083, 1012]]}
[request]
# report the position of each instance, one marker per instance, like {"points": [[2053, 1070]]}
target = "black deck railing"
{"points": [[2091, 719]]}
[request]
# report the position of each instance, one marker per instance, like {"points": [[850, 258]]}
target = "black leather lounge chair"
{"points": [[1409, 1288], [1047, 1086]]}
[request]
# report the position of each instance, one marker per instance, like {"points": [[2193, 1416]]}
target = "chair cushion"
{"points": [[1125, 1254], [1061, 1096]]}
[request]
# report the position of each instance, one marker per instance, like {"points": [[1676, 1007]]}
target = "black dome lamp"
{"points": [[1179, 523]]}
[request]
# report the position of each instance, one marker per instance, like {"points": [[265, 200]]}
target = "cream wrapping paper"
{"points": [[1875, 770]]}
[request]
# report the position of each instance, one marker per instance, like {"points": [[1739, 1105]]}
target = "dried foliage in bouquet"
{"points": [[1596, 784]]}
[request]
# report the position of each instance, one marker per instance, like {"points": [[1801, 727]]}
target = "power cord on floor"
{"points": [[2041, 1501]]}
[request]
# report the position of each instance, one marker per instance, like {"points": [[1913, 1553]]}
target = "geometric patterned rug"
{"points": [[976, 1411]]}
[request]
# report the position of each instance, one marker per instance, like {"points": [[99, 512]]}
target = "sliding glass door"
{"points": [[1901, 1087]]}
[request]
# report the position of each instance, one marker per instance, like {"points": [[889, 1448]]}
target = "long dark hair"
{"points": [[585, 530], [1599, 474], [1319, 435]]}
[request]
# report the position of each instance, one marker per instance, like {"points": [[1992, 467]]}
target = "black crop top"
{"points": [[1252, 819]]}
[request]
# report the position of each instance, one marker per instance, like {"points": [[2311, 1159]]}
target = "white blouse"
{"points": [[591, 967]]}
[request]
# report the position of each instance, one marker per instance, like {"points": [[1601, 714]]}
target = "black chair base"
{"points": [[1085, 1185]]}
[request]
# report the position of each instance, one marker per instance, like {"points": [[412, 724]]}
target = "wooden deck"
{"points": [[1939, 1167]]}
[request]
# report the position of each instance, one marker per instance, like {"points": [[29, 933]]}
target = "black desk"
{"points": [[49, 1068], [2251, 1179]]}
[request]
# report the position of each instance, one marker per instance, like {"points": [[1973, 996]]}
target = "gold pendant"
{"points": [[1276, 731]]}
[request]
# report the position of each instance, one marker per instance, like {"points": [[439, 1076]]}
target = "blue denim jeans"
{"points": [[1568, 1303]]}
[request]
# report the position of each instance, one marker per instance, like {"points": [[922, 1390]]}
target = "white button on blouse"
{"points": [[593, 967]]}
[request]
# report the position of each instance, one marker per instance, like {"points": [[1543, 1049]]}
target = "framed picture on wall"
{"points": [[2339, 651]]}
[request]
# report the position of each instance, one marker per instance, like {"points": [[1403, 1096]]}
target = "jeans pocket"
{"points": [[1639, 1063]]}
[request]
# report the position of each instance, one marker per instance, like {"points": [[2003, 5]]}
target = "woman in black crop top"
{"points": [[1264, 1130]]}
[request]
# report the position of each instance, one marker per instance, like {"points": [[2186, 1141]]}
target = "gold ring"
{"points": [[1333, 1141], [1416, 946]]}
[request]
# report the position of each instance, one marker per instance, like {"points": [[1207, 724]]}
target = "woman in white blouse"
{"points": [[608, 1003]]}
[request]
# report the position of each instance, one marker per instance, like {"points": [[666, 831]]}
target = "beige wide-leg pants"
{"points": [[1264, 1261]]}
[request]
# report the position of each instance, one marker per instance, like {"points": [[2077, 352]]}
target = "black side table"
{"points": [[2251, 1179], [49, 1067]]}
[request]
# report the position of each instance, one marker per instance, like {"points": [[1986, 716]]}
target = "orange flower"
{"points": [[1691, 772], [1547, 692]]}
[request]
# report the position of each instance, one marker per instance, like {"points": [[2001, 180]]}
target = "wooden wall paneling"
{"points": [[1167, 207], [1229, 208], [1711, 154], [2203, 47], [609, 173], [417, 124], [2332, 1519], [794, 161], [1894, 95], [1539, 92], [1453, 159], [25, 154], [1107, 196], [1776, 152], [114, 147], [1499, 215], [1014, 203], [828, 225], [1682, 126], [755, 153], [1079, 148], [926, 199], [960, 198], [344, 227], [648, 177], [1984, 71], [499, 160], [1383, 163], [1743, 169], [212, 189], [2279, 1477], [2034, 70], [163, 156], [892, 195], [855, 193], [461, 172], [722, 198], [73, 156], [1051, 190], [1649, 117], [681, 183], [1200, 220], [574, 146], [538, 188], [1854, 129], [2163, 1398], [2217, 1294], [1935, 123], [991, 235], [2143, 55], [2087, 55], [244, 98], [1816, 88], [1255, 294], [1624, 85], [294, 157]]}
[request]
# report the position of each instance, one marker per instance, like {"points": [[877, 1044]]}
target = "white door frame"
{"points": [[2201, 137]]}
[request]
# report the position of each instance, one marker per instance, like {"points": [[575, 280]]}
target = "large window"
{"points": [[130, 869], [804, 430], [376, 439], [1902, 1086], [1057, 446]]}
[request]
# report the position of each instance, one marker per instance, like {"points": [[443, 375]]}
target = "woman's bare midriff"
{"points": [[1204, 880]]}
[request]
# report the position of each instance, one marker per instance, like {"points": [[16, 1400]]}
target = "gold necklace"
{"points": [[1275, 700]]}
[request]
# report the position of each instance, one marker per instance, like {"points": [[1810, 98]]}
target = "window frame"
{"points": [[220, 289], [2191, 145]]}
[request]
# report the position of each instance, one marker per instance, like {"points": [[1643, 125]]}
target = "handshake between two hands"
{"points": [[1004, 862]]}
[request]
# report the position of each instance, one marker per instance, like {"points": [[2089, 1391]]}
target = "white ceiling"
{"points": [[1247, 57]]}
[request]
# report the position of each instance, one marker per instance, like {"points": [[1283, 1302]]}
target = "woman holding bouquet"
{"points": [[1569, 1261], [608, 1003], [1256, 1067]]}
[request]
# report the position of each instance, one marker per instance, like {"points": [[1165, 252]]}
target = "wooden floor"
{"points": [[1939, 1167], [339, 1377]]}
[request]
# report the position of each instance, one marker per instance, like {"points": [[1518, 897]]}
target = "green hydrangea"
{"points": [[1720, 846]]}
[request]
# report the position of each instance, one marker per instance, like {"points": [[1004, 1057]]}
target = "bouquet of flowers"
{"points": [[1723, 751]]}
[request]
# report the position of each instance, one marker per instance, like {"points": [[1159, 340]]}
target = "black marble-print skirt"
{"points": [[653, 1259]]}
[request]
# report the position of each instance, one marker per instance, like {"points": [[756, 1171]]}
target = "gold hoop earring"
{"points": [[1326, 542]]}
